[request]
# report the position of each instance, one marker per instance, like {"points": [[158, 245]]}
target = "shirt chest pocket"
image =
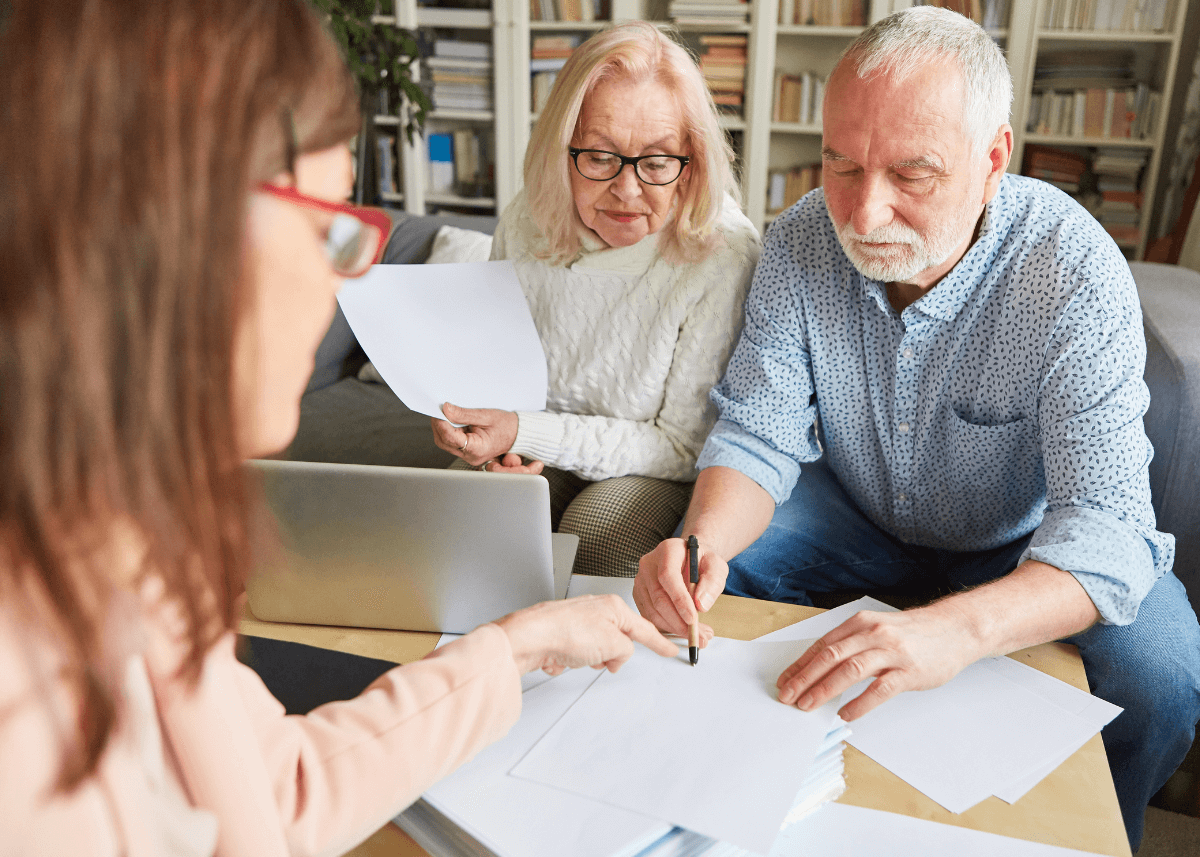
{"points": [[1004, 458]]}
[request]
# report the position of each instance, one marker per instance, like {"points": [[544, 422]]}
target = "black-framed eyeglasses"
{"points": [[601, 166]]}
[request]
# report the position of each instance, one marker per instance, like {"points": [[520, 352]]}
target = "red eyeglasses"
{"points": [[356, 235]]}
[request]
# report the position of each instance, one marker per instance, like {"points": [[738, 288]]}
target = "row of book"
{"points": [[461, 163], [386, 172], [824, 13], [548, 54], [568, 10], [1106, 181], [1147, 16], [989, 14], [1118, 201], [723, 63], [1121, 113], [461, 73], [704, 13], [786, 187], [798, 98]]}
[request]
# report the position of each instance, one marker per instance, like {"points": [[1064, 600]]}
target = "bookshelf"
{"points": [[767, 142], [1132, 50]]}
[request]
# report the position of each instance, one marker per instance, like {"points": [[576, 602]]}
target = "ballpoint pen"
{"points": [[693, 549]]}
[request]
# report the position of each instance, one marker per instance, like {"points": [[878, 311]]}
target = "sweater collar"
{"points": [[595, 254]]}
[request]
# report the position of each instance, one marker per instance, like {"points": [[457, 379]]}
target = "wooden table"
{"points": [[1075, 806]]}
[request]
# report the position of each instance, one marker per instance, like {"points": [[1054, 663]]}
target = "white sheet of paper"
{"points": [[840, 830], [650, 737], [960, 742], [588, 584], [520, 818], [1097, 712], [458, 333]]}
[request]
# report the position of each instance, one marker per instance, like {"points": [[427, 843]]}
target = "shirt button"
{"points": [[902, 498], [903, 428], [908, 352]]}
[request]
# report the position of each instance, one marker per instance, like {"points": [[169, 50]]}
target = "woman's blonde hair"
{"points": [[635, 51]]}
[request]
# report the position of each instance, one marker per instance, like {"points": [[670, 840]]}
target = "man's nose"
{"points": [[872, 204]]}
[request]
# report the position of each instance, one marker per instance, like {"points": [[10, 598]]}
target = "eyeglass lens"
{"points": [[652, 169], [350, 245]]}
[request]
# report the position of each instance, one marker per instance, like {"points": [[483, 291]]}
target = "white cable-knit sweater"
{"points": [[633, 345]]}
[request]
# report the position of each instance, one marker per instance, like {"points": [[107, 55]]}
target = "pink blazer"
{"points": [[221, 769]]}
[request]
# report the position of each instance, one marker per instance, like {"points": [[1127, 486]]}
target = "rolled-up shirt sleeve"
{"points": [[1099, 524]]}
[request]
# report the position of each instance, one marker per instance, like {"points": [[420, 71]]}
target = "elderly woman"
{"points": [[635, 260], [163, 288]]}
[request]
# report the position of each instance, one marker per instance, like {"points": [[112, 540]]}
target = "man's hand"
{"points": [[914, 650], [486, 433], [593, 630], [661, 592], [924, 648]]}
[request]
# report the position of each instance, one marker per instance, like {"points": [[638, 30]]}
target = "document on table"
{"points": [[638, 738], [839, 830], [459, 333], [998, 727], [513, 816]]}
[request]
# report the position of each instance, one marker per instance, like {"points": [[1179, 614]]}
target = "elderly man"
{"points": [[965, 347]]}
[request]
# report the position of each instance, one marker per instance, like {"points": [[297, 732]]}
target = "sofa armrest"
{"points": [[1170, 298]]}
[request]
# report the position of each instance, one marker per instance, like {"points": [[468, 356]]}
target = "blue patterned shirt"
{"points": [[1007, 400]]}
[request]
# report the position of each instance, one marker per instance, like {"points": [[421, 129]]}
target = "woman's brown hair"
{"points": [[132, 133]]}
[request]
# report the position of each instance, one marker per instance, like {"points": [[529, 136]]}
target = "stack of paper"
{"points": [[605, 765]]}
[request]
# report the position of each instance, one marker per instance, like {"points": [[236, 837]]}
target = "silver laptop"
{"points": [[406, 548]]}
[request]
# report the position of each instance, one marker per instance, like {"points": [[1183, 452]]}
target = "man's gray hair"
{"points": [[906, 40]]}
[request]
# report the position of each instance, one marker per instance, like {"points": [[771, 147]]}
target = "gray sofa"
{"points": [[345, 420], [1171, 312]]}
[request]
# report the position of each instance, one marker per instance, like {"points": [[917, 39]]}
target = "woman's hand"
{"points": [[486, 433], [510, 462], [591, 631]]}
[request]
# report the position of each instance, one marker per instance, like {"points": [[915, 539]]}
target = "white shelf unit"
{"points": [[1156, 62], [762, 145], [508, 142]]}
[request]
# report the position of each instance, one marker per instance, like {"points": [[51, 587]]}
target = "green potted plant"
{"points": [[383, 58]]}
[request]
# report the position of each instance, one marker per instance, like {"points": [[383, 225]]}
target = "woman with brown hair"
{"points": [[171, 238]]}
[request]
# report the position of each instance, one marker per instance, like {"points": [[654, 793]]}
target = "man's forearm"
{"points": [[728, 511], [1036, 603]]}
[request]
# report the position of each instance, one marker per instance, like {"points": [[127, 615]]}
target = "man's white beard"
{"points": [[910, 252]]}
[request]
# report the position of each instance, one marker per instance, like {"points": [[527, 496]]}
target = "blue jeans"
{"points": [[819, 541]]}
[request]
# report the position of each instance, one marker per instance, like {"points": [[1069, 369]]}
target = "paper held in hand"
{"points": [[459, 333]]}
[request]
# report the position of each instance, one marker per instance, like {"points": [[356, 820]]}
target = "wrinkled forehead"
{"points": [[918, 104], [630, 113]]}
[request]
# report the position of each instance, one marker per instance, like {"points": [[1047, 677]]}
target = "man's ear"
{"points": [[998, 155]]}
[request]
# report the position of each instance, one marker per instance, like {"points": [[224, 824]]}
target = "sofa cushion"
{"points": [[412, 235], [452, 244]]}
